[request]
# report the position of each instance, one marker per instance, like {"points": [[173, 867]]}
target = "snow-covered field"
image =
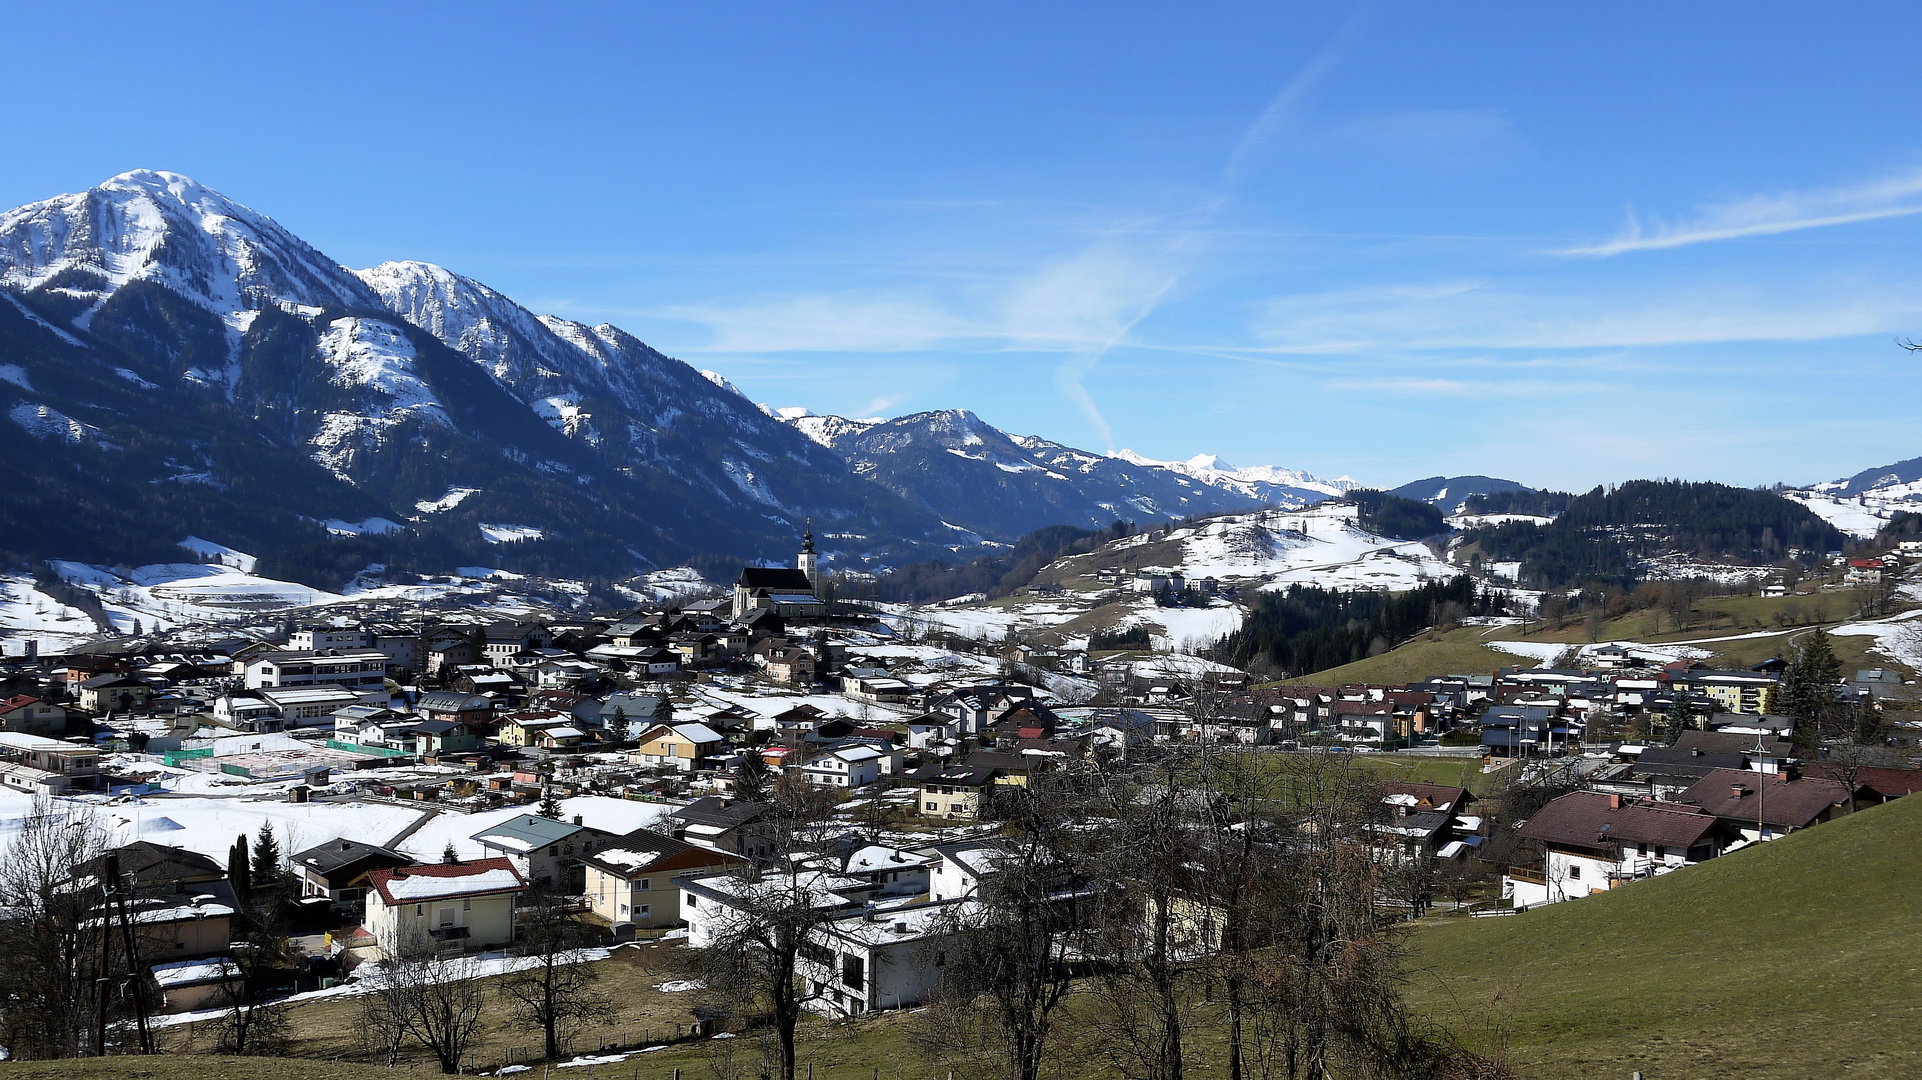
{"points": [[1862, 515], [27, 614], [1898, 637], [208, 824]]}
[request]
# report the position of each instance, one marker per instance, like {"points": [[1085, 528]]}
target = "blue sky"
{"points": [[1565, 246]]}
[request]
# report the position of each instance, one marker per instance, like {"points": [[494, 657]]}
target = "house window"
{"points": [[646, 885], [1574, 872], [693, 901], [642, 910], [420, 910], [933, 806], [623, 909], [1661, 852], [467, 905]]}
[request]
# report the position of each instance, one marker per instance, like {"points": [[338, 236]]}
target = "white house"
{"points": [[848, 767], [443, 907], [1595, 842]]}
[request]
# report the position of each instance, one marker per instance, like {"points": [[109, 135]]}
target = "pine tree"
{"points": [[266, 868], [663, 710], [1681, 715], [550, 805], [751, 777], [239, 874], [448, 855]]}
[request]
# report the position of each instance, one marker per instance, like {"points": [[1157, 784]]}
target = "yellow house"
{"points": [[526, 728], [631, 881], [678, 746], [954, 792], [1738, 691]]}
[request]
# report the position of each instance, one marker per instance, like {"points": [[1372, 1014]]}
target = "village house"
{"points": [[338, 869], [443, 907], [724, 824], [357, 669], [470, 709], [631, 881], [1764, 805], [954, 791], [545, 852], [686, 747], [791, 666], [434, 738], [845, 767], [1594, 842], [29, 715], [114, 693], [38, 765]]}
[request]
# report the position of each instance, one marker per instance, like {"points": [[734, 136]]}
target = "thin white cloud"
{"points": [[1895, 195], [1476, 315]]}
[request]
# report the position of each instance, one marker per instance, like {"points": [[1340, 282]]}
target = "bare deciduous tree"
{"points": [[557, 990], [50, 933], [437, 1002], [755, 946]]}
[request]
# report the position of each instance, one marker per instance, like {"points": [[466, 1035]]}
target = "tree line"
{"points": [[1308, 628]]}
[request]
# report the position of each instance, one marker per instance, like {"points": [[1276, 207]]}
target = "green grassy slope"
{"points": [[1797, 959]]}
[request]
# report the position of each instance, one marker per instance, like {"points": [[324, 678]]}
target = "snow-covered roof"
{"points": [[195, 972], [441, 881]]}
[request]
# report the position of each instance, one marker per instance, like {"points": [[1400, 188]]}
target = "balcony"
{"points": [[1529, 874]]}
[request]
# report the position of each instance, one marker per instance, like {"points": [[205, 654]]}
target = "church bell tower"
{"points": [[809, 563]]}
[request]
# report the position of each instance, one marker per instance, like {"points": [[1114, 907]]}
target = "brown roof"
{"points": [[1773, 798], [1886, 781], [1591, 819], [1432, 796]]}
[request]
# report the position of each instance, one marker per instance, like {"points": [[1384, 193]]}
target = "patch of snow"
{"points": [[16, 375], [509, 534], [448, 501]]}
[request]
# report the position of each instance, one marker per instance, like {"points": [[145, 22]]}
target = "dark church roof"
{"points": [[778, 578]]}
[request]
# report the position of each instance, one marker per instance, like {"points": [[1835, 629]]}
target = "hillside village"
{"points": [[371, 793]]}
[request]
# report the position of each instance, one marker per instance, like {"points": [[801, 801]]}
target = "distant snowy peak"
{"points": [[828, 431], [168, 229], [721, 381], [1263, 482]]}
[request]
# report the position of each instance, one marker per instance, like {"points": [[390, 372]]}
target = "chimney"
{"points": [[1614, 802], [1738, 790], [577, 819]]}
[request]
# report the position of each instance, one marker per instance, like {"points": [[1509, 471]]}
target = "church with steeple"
{"points": [[790, 594]]}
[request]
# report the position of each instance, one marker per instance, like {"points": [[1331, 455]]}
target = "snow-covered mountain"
{"points": [[1862, 505], [1263, 483], [189, 366], [1001, 485]]}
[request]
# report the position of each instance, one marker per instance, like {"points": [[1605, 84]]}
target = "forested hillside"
{"points": [[1605, 534], [1308, 628]]}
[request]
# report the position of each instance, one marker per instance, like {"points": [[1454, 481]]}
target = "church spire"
{"points": [[807, 538]]}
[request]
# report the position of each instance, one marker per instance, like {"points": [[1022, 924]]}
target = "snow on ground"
{"points": [[1898, 637], [446, 502], [167, 594], [1476, 521], [209, 825], [508, 534], [27, 614], [1318, 546], [374, 525], [1863, 516], [657, 585], [1176, 666], [617, 816], [1187, 628]]}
